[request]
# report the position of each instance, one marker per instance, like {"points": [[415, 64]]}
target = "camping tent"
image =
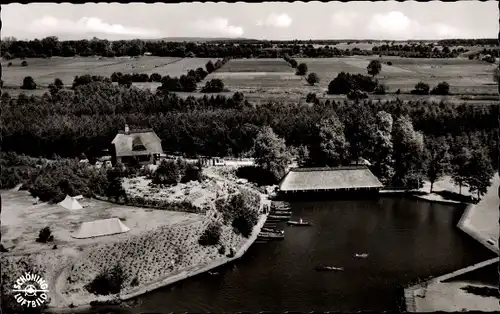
{"points": [[99, 228], [70, 203]]}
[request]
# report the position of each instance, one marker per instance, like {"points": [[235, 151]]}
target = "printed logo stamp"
{"points": [[31, 290]]}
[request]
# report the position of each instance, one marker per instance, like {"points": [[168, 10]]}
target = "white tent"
{"points": [[70, 203], [99, 228]]}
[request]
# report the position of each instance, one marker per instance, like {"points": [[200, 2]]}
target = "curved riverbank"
{"points": [[198, 269]]}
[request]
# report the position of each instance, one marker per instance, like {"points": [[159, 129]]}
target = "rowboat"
{"points": [[271, 236], [298, 223], [271, 217], [273, 230], [329, 268], [363, 255]]}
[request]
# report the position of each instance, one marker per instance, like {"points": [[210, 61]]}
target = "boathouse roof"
{"points": [[334, 179]]}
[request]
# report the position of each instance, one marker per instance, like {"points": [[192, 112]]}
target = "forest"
{"points": [[406, 141], [51, 46]]}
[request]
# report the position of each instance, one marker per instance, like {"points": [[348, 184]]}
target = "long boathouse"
{"points": [[345, 180]]}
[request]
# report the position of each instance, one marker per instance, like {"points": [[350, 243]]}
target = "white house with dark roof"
{"points": [[143, 146]]}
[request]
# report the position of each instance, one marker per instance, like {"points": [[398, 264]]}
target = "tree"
{"points": [[479, 172], [380, 89], [311, 98], [438, 159], [302, 69], [407, 153], [210, 67], [271, 153], [58, 83], [293, 63], [356, 94], [155, 77], [460, 167], [496, 75], [24, 63], [312, 78], [442, 88], [28, 83], [211, 235], [115, 188], [421, 88], [213, 86], [382, 165], [374, 68], [332, 142]]}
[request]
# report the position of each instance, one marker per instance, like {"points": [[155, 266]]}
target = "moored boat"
{"points": [[271, 217], [273, 230]]}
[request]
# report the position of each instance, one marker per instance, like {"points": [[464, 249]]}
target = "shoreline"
{"points": [[411, 292], [462, 225], [171, 279]]}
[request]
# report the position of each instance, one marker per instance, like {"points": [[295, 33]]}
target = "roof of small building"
{"points": [[337, 178], [124, 142]]}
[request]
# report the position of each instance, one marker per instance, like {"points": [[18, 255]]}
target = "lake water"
{"points": [[406, 239]]}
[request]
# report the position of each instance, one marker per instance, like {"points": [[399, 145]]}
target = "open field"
{"points": [[264, 80], [44, 71], [21, 221], [181, 66]]}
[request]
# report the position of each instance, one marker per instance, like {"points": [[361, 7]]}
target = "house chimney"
{"points": [[127, 129]]}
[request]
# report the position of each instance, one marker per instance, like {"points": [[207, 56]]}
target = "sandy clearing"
{"points": [[449, 297], [23, 222]]}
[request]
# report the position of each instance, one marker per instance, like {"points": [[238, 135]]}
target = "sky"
{"points": [[271, 20]]}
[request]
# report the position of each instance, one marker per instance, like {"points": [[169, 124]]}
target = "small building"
{"points": [[141, 146], [148, 54], [335, 179], [100, 228]]}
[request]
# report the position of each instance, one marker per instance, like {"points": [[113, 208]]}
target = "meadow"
{"points": [[263, 80]]}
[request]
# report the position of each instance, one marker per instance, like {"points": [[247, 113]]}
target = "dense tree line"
{"points": [[86, 119], [51, 46], [468, 42]]}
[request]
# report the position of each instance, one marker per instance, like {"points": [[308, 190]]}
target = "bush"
{"points": [[134, 282], [28, 83], [312, 78], [211, 235], [222, 250], [9, 64], [293, 63], [421, 88], [24, 63], [241, 211], [191, 173], [107, 282], [45, 235], [167, 173], [213, 86], [398, 91], [389, 63], [442, 88], [256, 175], [345, 82], [356, 95], [68, 177], [380, 89], [311, 98], [301, 69], [155, 77]]}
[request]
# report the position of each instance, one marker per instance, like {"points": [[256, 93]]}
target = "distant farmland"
{"points": [[263, 80], [44, 71]]}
